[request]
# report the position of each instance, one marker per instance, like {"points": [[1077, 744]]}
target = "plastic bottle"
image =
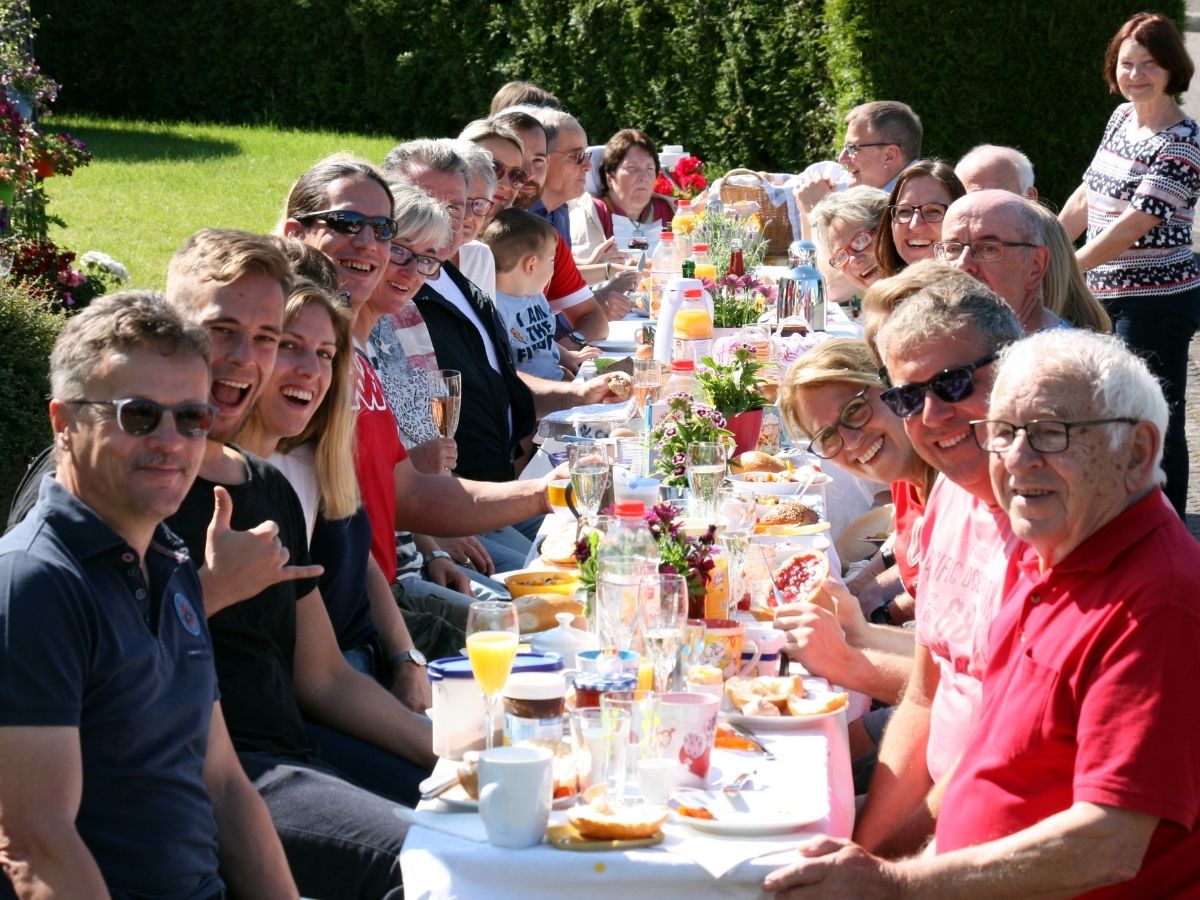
{"points": [[629, 535], [704, 265], [682, 379], [662, 268], [693, 326], [681, 225]]}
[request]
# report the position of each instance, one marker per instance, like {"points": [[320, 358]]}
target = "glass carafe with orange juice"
{"points": [[493, 631], [693, 330]]}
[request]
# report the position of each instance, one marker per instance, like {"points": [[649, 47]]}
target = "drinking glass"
{"points": [[587, 462], [643, 729], [617, 597], [690, 649], [663, 610], [648, 379], [600, 741], [706, 472], [736, 516], [492, 635], [445, 399]]}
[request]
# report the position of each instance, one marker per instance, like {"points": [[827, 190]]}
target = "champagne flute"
{"points": [[706, 472], [445, 399], [492, 634], [663, 610], [587, 462], [647, 381], [736, 515]]}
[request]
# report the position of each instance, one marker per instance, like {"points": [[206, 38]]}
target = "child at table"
{"points": [[523, 245]]}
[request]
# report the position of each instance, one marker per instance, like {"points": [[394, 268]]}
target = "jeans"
{"points": [[508, 547], [341, 841], [1160, 329]]}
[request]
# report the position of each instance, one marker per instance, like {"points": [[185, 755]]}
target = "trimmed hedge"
{"points": [[757, 82], [27, 333]]}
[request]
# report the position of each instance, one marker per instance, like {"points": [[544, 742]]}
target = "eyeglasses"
{"points": [[640, 172], [858, 244], [852, 150], [480, 206], [142, 417], [347, 221], [516, 177], [576, 156], [950, 385], [854, 414], [984, 251], [930, 212], [426, 265], [1042, 435]]}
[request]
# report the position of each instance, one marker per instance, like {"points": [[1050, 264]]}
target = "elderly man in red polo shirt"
{"points": [[1084, 770]]}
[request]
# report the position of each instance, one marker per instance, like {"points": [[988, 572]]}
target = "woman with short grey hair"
{"points": [[844, 224]]}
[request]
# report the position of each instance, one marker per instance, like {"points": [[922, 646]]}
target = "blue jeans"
{"points": [[1160, 329], [340, 840]]}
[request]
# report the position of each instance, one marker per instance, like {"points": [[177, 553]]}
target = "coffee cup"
{"points": [[723, 640], [516, 788], [561, 495], [687, 730]]}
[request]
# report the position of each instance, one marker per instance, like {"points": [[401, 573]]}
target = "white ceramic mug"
{"points": [[516, 787], [686, 731]]}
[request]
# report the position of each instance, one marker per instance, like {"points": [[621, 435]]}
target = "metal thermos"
{"points": [[802, 291]]}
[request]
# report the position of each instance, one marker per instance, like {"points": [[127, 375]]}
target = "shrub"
{"points": [[1025, 74], [27, 333]]}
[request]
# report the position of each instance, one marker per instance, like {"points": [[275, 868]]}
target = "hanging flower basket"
{"points": [[43, 168]]}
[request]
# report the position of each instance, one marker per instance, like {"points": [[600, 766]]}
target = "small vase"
{"points": [[746, 427]]}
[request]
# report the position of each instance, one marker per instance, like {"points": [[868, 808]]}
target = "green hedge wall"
{"points": [[753, 82], [27, 334]]}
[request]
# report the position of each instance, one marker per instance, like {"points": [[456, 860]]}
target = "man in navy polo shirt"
{"points": [[116, 769]]}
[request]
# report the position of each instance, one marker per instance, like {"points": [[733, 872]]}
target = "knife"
{"points": [[749, 736], [440, 788]]}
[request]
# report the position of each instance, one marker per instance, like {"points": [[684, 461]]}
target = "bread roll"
{"points": [[757, 461], [536, 612], [814, 703], [644, 351], [599, 821], [620, 385], [787, 512], [742, 692]]}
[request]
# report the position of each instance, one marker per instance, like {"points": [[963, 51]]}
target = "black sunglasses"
{"points": [[142, 417], [347, 221], [426, 265], [950, 385], [516, 177]]}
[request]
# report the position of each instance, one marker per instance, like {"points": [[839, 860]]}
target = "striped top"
{"points": [[1159, 175]]}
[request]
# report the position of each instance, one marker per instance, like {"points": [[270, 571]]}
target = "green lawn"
{"points": [[152, 184]]}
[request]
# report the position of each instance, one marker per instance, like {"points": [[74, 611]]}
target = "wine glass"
{"points": [[445, 399], [492, 635], [706, 472], [619, 579], [736, 516], [587, 462], [663, 610], [647, 381]]}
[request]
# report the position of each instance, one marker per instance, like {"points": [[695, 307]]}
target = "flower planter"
{"points": [[43, 168], [746, 427]]}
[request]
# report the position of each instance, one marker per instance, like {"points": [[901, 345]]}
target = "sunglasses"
{"points": [[854, 415], [142, 417], [516, 177], [858, 244], [950, 385], [426, 265], [576, 156], [347, 221]]}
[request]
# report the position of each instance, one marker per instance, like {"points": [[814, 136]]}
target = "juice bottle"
{"points": [[716, 595], [737, 259], [704, 265], [693, 329], [682, 378], [662, 268], [682, 225]]}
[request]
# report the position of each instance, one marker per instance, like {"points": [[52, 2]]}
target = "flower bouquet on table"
{"points": [[686, 422], [683, 182], [587, 556], [681, 554], [739, 300], [735, 388], [720, 229]]}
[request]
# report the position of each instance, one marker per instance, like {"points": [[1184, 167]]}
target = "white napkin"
{"points": [[719, 855], [466, 825]]}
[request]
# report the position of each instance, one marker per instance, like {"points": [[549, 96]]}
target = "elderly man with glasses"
{"points": [[939, 347], [999, 239], [1080, 773]]}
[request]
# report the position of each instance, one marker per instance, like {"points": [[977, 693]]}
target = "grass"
{"points": [[151, 184]]}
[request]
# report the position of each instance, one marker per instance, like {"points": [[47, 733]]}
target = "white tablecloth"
{"points": [[440, 866]]}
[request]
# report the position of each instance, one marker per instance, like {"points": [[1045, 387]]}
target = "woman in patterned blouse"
{"points": [[1137, 202]]}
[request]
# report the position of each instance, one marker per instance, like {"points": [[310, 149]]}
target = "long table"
{"points": [[813, 765]]}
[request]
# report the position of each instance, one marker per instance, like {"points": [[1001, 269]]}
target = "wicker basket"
{"points": [[777, 230]]}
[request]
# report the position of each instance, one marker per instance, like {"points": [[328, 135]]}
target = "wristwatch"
{"points": [[882, 615], [440, 554], [413, 656]]}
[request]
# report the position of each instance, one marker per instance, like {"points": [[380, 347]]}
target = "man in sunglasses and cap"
{"points": [[1080, 773], [940, 347], [117, 774]]}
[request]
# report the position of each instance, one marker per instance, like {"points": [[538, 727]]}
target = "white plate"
{"points": [[456, 799], [777, 723], [752, 813]]}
